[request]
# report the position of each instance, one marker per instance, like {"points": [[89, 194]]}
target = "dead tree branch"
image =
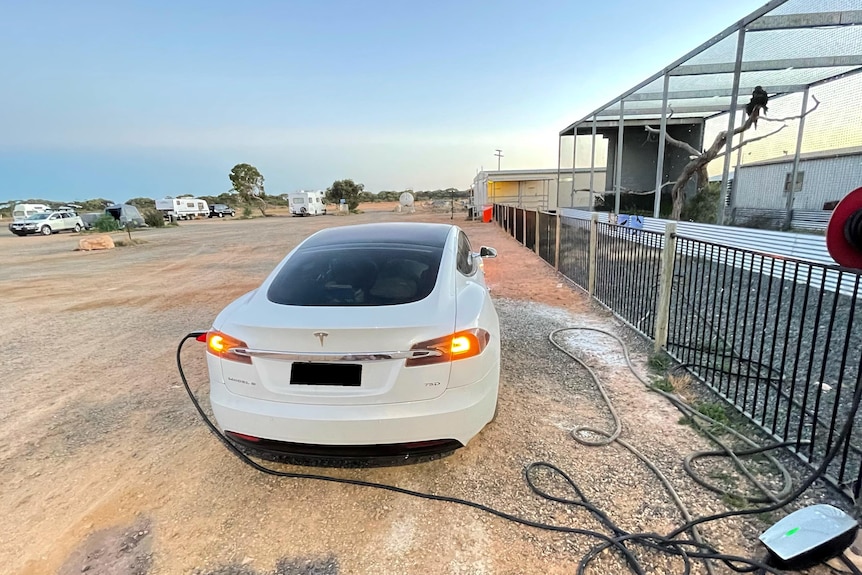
{"points": [[674, 142], [797, 117], [696, 167]]}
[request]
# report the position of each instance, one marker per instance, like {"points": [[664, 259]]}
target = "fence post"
{"points": [[524, 227], [557, 241], [594, 241], [668, 257], [536, 242]]}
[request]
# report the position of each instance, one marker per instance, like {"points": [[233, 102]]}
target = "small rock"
{"points": [[247, 560], [85, 568]]}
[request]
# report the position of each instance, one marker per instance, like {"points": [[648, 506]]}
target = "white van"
{"points": [[24, 211], [307, 203]]}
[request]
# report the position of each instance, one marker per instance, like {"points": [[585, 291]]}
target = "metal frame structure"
{"points": [[700, 98]]}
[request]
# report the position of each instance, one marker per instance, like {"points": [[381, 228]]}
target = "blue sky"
{"points": [[124, 99]]}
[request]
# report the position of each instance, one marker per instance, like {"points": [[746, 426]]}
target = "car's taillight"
{"points": [[460, 345], [221, 345]]}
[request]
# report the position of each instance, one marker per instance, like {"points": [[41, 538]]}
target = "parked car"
{"points": [[221, 210], [46, 223], [366, 340], [126, 214]]}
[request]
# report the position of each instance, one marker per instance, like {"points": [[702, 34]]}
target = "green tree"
{"points": [[347, 190], [142, 203], [247, 181], [94, 205]]}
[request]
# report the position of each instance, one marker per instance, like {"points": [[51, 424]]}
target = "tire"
{"points": [[77, 228], [45, 230], [221, 215]]}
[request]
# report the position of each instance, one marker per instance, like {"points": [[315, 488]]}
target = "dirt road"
{"points": [[106, 469]]}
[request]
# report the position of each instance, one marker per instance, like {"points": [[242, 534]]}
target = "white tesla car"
{"points": [[366, 340]]}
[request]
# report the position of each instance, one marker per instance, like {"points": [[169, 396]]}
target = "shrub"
{"points": [[714, 411], [154, 218], [106, 223], [703, 207], [246, 212]]}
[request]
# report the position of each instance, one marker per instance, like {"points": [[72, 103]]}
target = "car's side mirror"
{"points": [[486, 252]]}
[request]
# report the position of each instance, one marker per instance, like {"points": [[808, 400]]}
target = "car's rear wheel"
{"points": [[45, 230], [77, 228]]}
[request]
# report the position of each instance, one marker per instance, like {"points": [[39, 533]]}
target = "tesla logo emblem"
{"points": [[321, 335]]}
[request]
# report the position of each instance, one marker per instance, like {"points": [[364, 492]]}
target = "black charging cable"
{"points": [[673, 543]]}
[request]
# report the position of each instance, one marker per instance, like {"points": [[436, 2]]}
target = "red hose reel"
{"points": [[844, 233]]}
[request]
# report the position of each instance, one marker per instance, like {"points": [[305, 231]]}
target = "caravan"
{"points": [[183, 208], [307, 203]]}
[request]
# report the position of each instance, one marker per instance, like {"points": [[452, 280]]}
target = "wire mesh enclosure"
{"points": [[783, 81]]}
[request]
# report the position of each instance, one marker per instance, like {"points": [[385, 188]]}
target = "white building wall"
{"points": [[825, 180], [536, 189]]}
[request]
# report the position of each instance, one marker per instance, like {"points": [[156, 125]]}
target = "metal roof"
{"points": [[523, 175], [786, 46], [808, 156]]}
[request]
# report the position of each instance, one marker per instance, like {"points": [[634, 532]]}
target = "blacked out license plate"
{"points": [[343, 374]]}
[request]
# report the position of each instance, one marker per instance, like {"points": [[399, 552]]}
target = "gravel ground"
{"points": [[110, 471]]}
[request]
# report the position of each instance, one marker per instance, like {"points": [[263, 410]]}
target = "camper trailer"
{"points": [[307, 203], [183, 208], [126, 215]]}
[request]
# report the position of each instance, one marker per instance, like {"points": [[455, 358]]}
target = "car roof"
{"points": [[396, 233]]}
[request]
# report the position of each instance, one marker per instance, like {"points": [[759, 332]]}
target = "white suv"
{"points": [[46, 223]]}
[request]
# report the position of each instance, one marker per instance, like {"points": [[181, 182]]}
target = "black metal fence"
{"points": [[575, 250], [767, 336], [628, 271], [547, 237], [778, 338]]}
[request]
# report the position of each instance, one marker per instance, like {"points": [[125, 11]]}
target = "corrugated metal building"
{"points": [[536, 189], [824, 177]]}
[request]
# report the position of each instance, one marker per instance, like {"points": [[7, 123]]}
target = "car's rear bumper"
{"points": [[458, 414]]}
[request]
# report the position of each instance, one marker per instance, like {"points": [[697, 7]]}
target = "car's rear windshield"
{"points": [[356, 276]]}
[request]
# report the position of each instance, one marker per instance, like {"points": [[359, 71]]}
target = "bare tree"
{"points": [[698, 161]]}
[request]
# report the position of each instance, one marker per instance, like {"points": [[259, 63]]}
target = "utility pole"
{"points": [[499, 155]]}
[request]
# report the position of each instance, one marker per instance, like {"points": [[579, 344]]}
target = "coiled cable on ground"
{"points": [[619, 540]]}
